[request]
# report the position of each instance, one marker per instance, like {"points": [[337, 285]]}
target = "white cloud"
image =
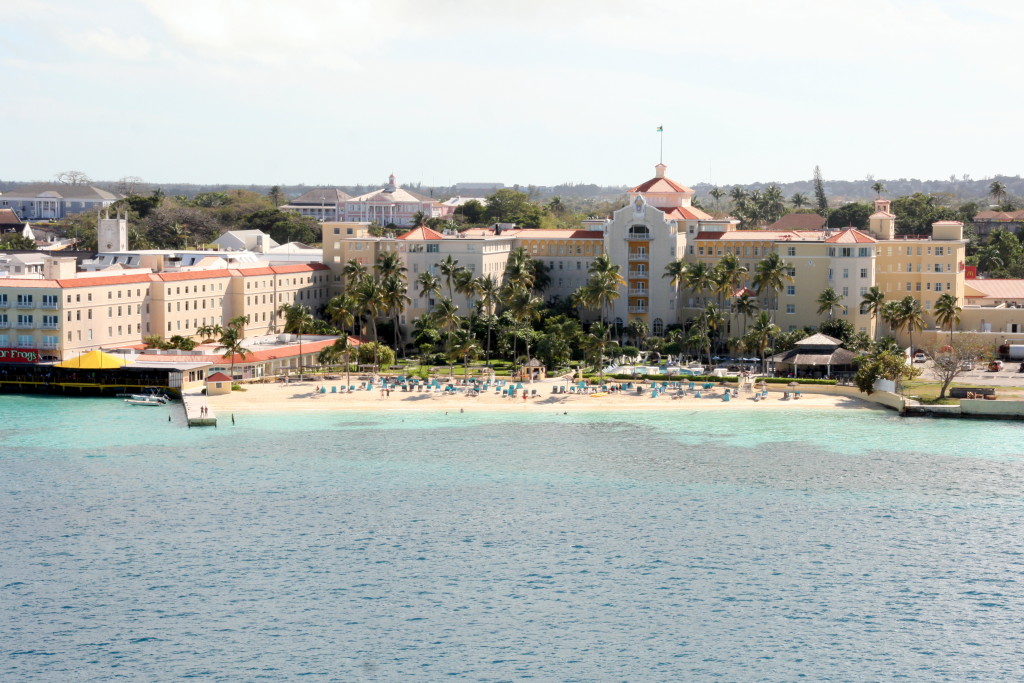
{"points": [[106, 41]]}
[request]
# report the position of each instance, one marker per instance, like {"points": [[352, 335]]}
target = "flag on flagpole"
{"points": [[660, 129]]}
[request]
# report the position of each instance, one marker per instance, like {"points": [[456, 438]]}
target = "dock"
{"points": [[197, 412]]}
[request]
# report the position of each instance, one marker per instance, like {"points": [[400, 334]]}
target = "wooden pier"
{"points": [[197, 412]]}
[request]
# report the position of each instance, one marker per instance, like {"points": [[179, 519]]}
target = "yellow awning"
{"points": [[94, 360]]}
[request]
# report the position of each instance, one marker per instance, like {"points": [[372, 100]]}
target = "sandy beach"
{"points": [[303, 397]]}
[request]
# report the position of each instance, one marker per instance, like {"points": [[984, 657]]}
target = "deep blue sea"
{"points": [[738, 545]]}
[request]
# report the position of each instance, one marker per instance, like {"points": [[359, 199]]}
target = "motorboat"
{"points": [[140, 400]]}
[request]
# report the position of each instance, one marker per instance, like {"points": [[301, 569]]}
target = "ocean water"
{"points": [[743, 545]]}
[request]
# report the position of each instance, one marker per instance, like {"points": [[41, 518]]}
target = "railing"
{"points": [[4, 303], [49, 305], [638, 238], [4, 325], [26, 345], [638, 292], [50, 326], [639, 274], [24, 326], [49, 345], [639, 257], [638, 309], [25, 304]]}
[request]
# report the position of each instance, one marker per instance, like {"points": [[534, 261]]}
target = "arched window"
{"points": [[658, 327], [619, 325]]}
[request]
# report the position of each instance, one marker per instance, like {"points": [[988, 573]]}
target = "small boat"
{"points": [[158, 398], [143, 401]]}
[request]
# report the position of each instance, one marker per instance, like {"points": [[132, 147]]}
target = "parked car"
{"points": [[995, 366], [920, 357], [967, 366]]}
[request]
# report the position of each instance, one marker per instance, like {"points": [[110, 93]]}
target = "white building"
{"points": [[390, 205], [44, 201]]}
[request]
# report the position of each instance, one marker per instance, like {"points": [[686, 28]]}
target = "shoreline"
{"points": [[302, 397]]}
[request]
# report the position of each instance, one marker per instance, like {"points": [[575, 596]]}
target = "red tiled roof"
{"points": [[28, 284], [662, 185], [123, 279], [799, 221], [685, 213], [851, 236], [218, 377], [9, 217], [421, 233], [193, 275], [999, 216]]}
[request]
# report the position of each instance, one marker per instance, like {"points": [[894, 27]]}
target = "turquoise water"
{"points": [[736, 545]]}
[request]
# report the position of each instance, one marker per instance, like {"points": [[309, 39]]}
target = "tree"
{"points": [[912, 316], [276, 196], [524, 309], [466, 347], [381, 356], [771, 273], [713, 321], [473, 211], [637, 330], [15, 241], [760, 334], [997, 190], [853, 215], [872, 302], [447, 315], [947, 313], [395, 299], [490, 291], [746, 306], [838, 329], [918, 211], [829, 300], [731, 274], [594, 344], [948, 359], [676, 272], [353, 272], [819, 192], [509, 206], [878, 188], [518, 270], [369, 296], [717, 193], [892, 315], [886, 363], [799, 200], [341, 310], [72, 178], [700, 278], [231, 343], [209, 332], [299, 321], [429, 285]]}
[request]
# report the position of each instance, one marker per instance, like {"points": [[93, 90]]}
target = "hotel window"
{"points": [[791, 272], [26, 341], [928, 286], [864, 251], [917, 287], [938, 267], [790, 290], [790, 308], [909, 287], [700, 251], [756, 250], [846, 251], [939, 251], [863, 272], [790, 251], [846, 273], [846, 291], [938, 286], [863, 291], [24, 300]]}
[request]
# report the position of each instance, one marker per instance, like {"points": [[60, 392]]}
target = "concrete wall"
{"points": [[983, 408]]}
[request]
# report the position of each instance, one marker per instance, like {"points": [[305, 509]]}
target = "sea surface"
{"points": [[735, 545]]}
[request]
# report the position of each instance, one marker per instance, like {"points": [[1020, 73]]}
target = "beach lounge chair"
{"points": [[697, 393], [796, 395], [334, 389], [726, 397], [785, 395]]}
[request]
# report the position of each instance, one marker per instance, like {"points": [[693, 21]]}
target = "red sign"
{"points": [[19, 356]]}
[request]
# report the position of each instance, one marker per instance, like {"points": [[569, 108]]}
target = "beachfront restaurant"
{"points": [[94, 373], [817, 356]]}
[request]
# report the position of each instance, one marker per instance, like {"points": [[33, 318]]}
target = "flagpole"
{"points": [[661, 144]]}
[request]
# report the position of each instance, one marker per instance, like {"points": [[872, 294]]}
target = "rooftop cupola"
{"points": [[659, 171]]}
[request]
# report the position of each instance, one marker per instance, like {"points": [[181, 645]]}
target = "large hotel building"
{"points": [[62, 312]]}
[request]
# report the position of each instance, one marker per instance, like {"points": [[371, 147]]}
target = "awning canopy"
{"points": [[93, 360]]}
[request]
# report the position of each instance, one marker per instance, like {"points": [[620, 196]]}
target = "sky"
{"points": [[522, 91]]}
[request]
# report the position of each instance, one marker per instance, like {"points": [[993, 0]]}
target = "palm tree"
{"points": [[469, 287], [717, 193], [714, 321], [829, 300], [761, 333], [997, 190], [341, 310], [746, 306], [771, 273], [676, 272], [369, 296], [878, 188], [519, 270], [298, 321], [449, 268], [871, 303], [891, 314], [594, 344], [209, 332], [731, 274], [352, 272], [466, 347], [524, 308], [388, 263], [489, 293], [638, 330], [700, 278], [947, 313], [603, 290], [429, 284], [913, 317], [342, 346], [799, 200], [231, 343], [395, 298], [447, 315]]}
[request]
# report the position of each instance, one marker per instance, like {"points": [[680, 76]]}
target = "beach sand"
{"points": [[303, 397]]}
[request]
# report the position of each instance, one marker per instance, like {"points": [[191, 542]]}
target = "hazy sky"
{"points": [[523, 91]]}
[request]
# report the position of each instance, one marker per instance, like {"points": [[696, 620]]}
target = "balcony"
{"points": [[26, 345], [639, 238], [24, 326], [25, 304], [4, 325], [639, 256], [641, 274], [638, 292], [638, 309], [52, 306], [50, 326], [48, 345], [4, 303]]}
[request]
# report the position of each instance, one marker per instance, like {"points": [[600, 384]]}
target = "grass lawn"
{"points": [[928, 391]]}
